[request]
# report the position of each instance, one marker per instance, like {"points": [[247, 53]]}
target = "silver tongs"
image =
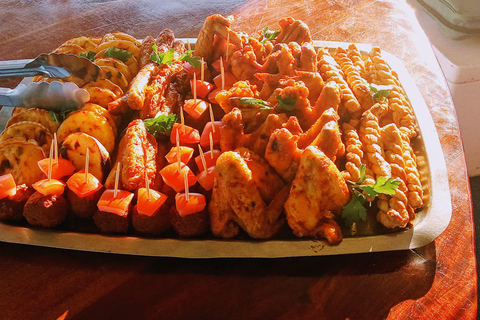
{"points": [[54, 96]]}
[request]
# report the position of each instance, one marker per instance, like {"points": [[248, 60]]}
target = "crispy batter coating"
{"points": [[317, 194], [237, 202]]}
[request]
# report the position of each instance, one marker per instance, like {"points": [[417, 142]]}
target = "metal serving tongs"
{"points": [[53, 96]]}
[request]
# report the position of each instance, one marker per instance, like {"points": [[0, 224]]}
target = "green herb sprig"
{"points": [[286, 103], [161, 124], [379, 91], [120, 54], [269, 35], [355, 210], [162, 57], [90, 55], [190, 58]]}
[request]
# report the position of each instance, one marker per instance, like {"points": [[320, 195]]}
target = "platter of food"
{"points": [[269, 146]]}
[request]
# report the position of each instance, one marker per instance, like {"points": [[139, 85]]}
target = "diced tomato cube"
{"points": [[196, 203], [175, 177], [203, 88], [210, 159], [229, 79], [195, 108], [115, 204], [207, 178], [49, 187], [83, 187], [8, 187], [186, 154], [186, 134], [205, 137], [60, 168], [149, 207]]}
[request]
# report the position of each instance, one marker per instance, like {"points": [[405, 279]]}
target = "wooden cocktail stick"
{"points": [[182, 120], [202, 157], [50, 161], [210, 137], [117, 178], [179, 158], [185, 177], [87, 162], [194, 89], [212, 119], [222, 73], [228, 45]]}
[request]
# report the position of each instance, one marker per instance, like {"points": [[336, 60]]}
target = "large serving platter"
{"points": [[431, 221]]}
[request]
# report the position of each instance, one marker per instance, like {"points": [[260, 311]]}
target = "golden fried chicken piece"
{"points": [[317, 194], [293, 31], [244, 64], [237, 200], [240, 89], [283, 154], [214, 26], [136, 153]]}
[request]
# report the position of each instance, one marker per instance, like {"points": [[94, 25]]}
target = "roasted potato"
{"points": [[91, 123], [115, 76], [120, 44], [30, 131], [104, 112], [105, 83], [115, 63], [100, 96], [35, 115], [74, 148], [19, 157]]}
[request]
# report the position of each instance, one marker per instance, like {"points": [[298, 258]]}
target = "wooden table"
{"points": [[437, 281]]}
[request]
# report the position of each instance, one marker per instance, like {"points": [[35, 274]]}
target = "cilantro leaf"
{"points": [[379, 91], [161, 124], [269, 34], [355, 209], [190, 58], [162, 57], [286, 103], [59, 116], [120, 54], [386, 185], [90, 55], [253, 102]]}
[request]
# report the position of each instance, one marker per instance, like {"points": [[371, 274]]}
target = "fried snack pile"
{"points": [[287, 129]]}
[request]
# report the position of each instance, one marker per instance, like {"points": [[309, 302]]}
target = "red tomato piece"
{"points": [[203, 88], [186, 154], [81, 187], [205, 137], [186, 135], [207, 178], [191, 70], [195, 108], [49, 187], [175, 178], [118, 205], [229, 80], [60, 168], [149, 207], [216, 64], [196, 203], [210, 159], [8, 187]]}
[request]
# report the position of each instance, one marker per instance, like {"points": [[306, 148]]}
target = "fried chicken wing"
{"points": [[237, 202], [293, 31], [317, 194]]}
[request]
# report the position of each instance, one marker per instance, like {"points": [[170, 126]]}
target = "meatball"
{"points": [[45, 211]]}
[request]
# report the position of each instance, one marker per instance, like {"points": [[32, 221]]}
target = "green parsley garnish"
{"points": [[162, 57], [286, 103], [379, 91], [269, 34], [190, 58], [264, 105], [90, 55], [355, 209], [59, 116], [162, 124], [120, 54]]}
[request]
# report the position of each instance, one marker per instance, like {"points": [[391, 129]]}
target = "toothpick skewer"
{"points": [[202, 70], [182, 120], [222, 73], [179, 159], [189, 47], [228, 45], [50, 162], [212, 119], [55, 146], [117, 177], [185, 177], [147, 185], [87, 161], [202, 157], [194, 89], [210, 137]]}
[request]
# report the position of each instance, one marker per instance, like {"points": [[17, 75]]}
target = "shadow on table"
{"points": [[360, 286]]}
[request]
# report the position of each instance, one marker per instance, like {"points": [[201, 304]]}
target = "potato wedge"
{"points": [[30, 131], [88, 43], [19, 157], [120, 36], [91, 123], [115, 63], [115, 76], [104, 112], [100, 96], [35, 115], [71, 48], [120, 44], [105, 83], [132, 62], [74, 148]]}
